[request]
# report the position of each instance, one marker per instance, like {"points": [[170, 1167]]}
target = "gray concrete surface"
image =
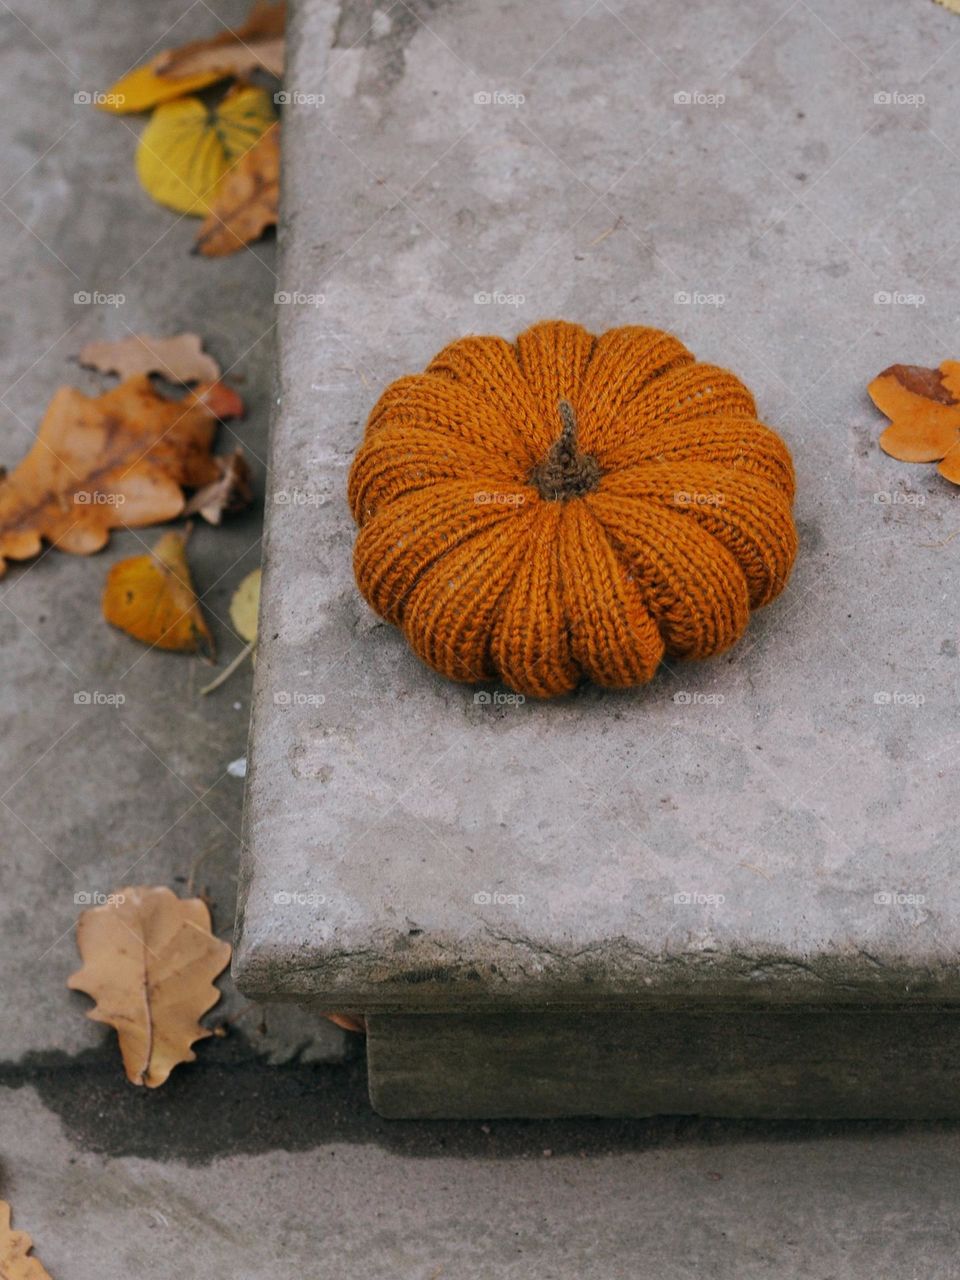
{"points": [[240, 1168], [775, 825]]}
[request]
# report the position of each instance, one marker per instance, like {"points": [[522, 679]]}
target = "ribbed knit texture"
{"points": [[569, 506]]}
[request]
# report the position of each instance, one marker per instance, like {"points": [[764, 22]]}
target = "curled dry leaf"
{"points": [[229, 494], [258, 43], [99, 462], [924, 408], [179, 359], [15, 1247], [201, 63], [348, 1021], [244, 612], [246, 201], [187, 147], [152, 598], [149, 961]]}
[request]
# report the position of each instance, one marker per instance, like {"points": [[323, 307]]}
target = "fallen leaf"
{"points": [[229, 494], [179, 359], [201, 63], [143, 88], [246, 202], [258, 43], [244, 611], [952, 5], [245, 606], [99, 462], [152, 598], [149, 961], [187, 147], [347, 1022], [924, 408], [15, 1246]]}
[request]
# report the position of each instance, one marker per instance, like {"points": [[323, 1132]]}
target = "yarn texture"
{"points": [[569, 507]]}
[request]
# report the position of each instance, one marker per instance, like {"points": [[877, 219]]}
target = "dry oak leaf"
{"points": [[100, 462], [924, 408], [201, 63], [258, 43], [229, 494], [15, 1246], [187, 147], [149, 961], [246, 202], [152, 598], [179, 359]]}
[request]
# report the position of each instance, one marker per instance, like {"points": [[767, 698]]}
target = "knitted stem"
{"points": [[565, 472]]}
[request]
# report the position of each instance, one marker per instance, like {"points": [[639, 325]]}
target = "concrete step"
{"points": [[769, 833]]}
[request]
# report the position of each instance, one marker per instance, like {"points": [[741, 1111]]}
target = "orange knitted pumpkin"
{"points": [[569, 507]]}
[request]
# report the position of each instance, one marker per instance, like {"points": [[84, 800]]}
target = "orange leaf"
{"points": [[151, 598], [245, 202], [258, 43], [149, 961], [924, 409], [100, 462], [15, 1246]]}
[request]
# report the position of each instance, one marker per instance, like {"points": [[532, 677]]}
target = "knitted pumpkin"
{"points": [[569, 507]]}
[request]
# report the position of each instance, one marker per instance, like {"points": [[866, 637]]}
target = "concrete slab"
{"points": [[96, 795], [774, 826]]}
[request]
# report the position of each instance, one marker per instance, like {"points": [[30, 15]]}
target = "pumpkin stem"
{"points": [[565, 472]]}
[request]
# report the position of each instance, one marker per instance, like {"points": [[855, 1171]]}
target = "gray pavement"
{"points": [[258, 1160]]}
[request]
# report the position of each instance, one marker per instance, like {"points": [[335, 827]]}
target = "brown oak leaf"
{"points": [[99, 462], [15, 1247], [149, 961], [179, 359], [246, 200]]}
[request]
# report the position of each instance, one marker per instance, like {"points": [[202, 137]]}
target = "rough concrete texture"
{"points": [[768, 182], [238, 1169], [94, 795]]}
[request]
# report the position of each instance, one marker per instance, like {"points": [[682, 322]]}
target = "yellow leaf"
{"points": [[151, 598], [188, 147], [149, 961], [245, 606], [144, 88]]}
